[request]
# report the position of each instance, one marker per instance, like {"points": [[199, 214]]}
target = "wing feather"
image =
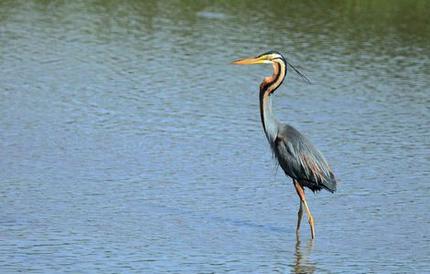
{"points": [[302, 161]]}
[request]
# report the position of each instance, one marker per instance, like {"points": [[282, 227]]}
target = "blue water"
{"points": [[128, 143]]}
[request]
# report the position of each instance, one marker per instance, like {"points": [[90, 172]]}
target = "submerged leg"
{"points": [[301, 193], [299, 216]]}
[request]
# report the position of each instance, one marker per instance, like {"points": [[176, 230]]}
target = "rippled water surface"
{"points": [[128, 143]]}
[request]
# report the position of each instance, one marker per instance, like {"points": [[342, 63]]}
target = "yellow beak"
{"points": [[251, 61]]}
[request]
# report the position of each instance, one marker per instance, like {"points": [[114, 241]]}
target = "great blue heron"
{"points": [[296, 155]]}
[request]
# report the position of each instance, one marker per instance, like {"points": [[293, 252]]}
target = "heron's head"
{"points": [[269, 57], [270, 83], [279, 62]]}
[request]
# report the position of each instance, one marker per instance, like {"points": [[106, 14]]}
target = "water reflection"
{"points": [[302, 261]]}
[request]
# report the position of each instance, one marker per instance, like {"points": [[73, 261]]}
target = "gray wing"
{"points": [[302, 161]]}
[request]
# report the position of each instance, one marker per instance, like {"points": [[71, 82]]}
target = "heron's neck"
{"points": [[269, 121], [267, 87]]}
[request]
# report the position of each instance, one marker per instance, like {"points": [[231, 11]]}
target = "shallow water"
{"points": [[128, 143]]}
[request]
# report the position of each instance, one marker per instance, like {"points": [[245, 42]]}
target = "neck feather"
{"points": [[267, 87]]}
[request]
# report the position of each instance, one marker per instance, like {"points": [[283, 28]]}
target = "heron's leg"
{"points": [[310, 219], [301, 193], [299, 217]]}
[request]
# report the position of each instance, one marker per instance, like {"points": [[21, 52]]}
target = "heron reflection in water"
{"points": [[302, 263], [299, 159]]}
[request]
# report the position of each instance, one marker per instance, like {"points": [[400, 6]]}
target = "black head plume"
{"points": [[301, 74]]}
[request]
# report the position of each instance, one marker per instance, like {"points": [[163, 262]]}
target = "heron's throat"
{"points": [[271, 83]]}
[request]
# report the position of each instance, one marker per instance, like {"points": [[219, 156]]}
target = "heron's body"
{"points": [[295, 153], [299, 159]]}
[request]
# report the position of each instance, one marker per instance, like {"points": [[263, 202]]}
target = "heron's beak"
{"points": [[252, 60]]}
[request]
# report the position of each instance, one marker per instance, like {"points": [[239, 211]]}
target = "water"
{"points": [[128, 143]]}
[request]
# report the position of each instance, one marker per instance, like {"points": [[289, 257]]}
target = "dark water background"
{"points": [[128, 143]]}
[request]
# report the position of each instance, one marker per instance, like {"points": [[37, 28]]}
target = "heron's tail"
{"points": [[330, 183]]}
